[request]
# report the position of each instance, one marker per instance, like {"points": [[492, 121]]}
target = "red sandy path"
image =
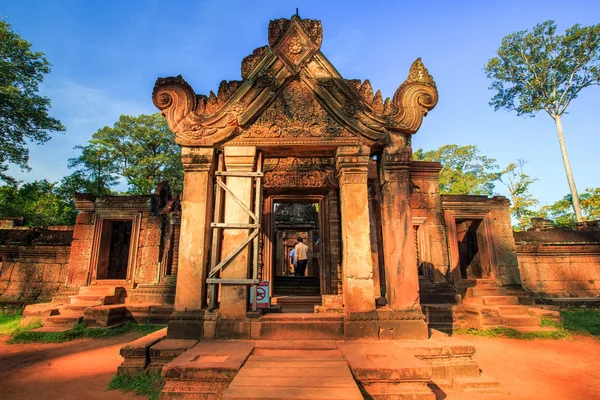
{"points": [[80, 369], [538, 369]]}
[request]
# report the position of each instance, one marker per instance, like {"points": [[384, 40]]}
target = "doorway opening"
{"points": [[471, 237], [113, 254], [294, 220]]}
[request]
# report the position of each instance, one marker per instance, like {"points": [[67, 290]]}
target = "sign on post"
{"points": [[263, 299]]}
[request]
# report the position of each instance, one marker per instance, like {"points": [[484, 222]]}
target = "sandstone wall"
{"points": [[560, 263], [34, 262]]}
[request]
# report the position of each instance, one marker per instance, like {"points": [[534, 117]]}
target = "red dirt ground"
{"points": [[538, 369]]}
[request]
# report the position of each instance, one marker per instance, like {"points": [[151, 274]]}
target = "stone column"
{"points": [[196, 212], [233, 298], [399, 252], [357, 263]]}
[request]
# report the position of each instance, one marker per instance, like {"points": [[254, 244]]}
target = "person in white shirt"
{"points": [[301, 257]]}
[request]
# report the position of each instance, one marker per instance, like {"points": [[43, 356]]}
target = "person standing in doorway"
{"points": [[301, 257], [292, 259]]}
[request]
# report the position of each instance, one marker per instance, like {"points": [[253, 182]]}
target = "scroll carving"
{"points": [[413, 100]]}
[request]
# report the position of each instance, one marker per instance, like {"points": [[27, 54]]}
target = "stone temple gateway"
{"points": [[294, 131], [295, 150]]}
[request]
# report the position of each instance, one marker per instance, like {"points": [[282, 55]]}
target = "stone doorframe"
{"points": [[422, 244], [268, 235], [101, 216], [489, 247]]}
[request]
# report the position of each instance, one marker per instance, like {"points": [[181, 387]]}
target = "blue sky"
{"points": [[106, 56]]}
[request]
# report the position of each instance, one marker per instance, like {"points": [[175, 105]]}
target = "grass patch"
{"points": [[513, 333], [582, 320], [140, 384], [80, 331], [10, 322]]}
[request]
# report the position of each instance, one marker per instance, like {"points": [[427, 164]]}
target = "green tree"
{"points": [[141, 149], [96, 171], [464, 170], [541, 70], [522, 201], [23, 112], [39, 202], [562, 214]]}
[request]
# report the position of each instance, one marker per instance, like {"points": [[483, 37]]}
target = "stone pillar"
{"points": [[196, 213], [233, 298], [357, 262], [399, 251]]}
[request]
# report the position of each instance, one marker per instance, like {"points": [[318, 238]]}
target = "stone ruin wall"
{"points": [[557, 263], [34, 261]]}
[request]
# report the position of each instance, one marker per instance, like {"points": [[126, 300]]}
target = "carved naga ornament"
{"points": [[413, 100], [293, 54]]}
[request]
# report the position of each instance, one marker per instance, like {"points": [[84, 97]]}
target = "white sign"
{"points": [[263, 299]]}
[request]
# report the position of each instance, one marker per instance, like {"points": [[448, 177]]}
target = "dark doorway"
{"points": [[293, 220], [114, 249], [472, 238]]}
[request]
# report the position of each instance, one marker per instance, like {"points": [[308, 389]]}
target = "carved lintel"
{"points": [[413, 100]]}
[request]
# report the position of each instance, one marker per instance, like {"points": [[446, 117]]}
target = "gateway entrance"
{"points": [[293, 221]]}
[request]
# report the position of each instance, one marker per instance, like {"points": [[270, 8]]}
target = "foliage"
{"points": [[41, 203], [95, 174], [522, 201], [80, 331], [576, 320], [141, 384], [513, 333], [582, 320], [10, 322], [540, 70], [562, 214], [464, 170], [141, 149], [23, 113]]}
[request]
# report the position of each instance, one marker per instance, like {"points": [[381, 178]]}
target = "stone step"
{"points": [[51, 329], [79, 307], [321, 326], [500, 300], [86, 299], [490, 283], [481, 383], [513, 310], [104, 316], [295, 345], [522, 320], [485, 291], [101, 290], [295, 374], [64, 321], [528, 329]]}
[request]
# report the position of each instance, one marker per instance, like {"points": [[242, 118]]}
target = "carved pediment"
{"points": [[291, 90], [293, 116]]}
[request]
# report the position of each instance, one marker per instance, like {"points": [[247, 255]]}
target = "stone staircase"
{"points": [[296, 304], [309, 369], [95, 306], [296, 286], [294, 371], [486, 306]]}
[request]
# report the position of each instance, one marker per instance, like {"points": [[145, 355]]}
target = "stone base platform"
{"points": [[309, 369], [382, 324]]}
